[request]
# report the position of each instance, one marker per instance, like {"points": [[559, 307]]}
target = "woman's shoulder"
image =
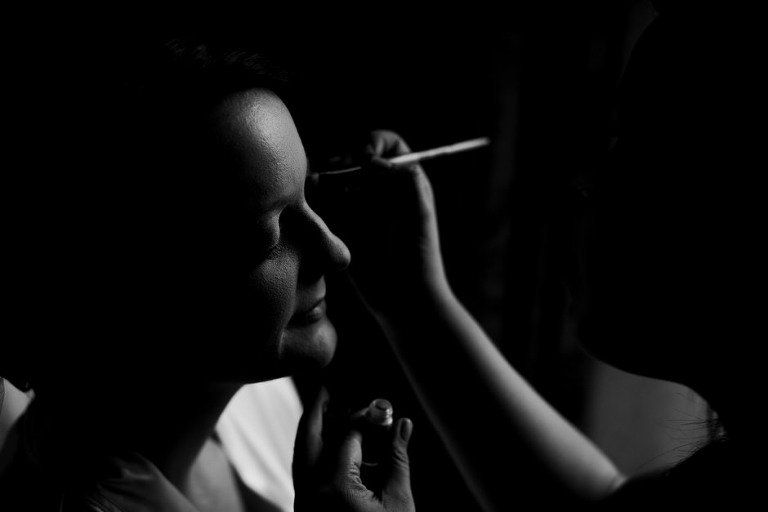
{"points": [[121, 484], [714, 475], [131, 482]]}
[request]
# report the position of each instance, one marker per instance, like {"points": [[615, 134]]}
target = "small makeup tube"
{"points": [[427, 154], [377, 423], [379, 413]]}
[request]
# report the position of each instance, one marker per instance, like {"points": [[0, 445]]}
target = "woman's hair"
{"points": [[116, 185]]}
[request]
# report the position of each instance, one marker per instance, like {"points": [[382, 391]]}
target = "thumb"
{"points": [[350, 456], [309, 441], [346, 473], [397, 484]]}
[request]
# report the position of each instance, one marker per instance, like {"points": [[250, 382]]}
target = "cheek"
{"points": [[250, 340], [272, 294]]}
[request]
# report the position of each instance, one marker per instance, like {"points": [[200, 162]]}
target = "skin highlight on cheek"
{"points": [[274, 282]]}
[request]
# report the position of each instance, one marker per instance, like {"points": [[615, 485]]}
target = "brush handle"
{"points": [[418, 156], [459, 147]]}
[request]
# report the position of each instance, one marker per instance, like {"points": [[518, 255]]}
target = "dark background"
{"points": [[539, 79]]}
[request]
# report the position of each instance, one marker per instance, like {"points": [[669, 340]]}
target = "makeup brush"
{"points": [[427, 154]]}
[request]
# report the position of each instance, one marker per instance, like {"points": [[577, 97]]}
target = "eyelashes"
{"points": [[287, 230], [271, 237]]}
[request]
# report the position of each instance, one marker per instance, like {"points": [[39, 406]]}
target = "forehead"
{"points": [[260, 139]]}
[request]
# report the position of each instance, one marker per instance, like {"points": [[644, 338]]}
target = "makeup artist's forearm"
{"points": [[487, 414]]}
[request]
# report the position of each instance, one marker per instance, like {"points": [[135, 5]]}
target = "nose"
{"points": [[338, 252], [324, 251]]}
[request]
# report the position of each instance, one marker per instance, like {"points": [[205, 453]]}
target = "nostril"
{"points": [[323, 251], [345, 256], [338, 253]]}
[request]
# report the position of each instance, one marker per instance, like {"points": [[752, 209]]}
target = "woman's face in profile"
{"points": [[272, 294]]}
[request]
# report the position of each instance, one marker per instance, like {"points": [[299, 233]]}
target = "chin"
{"points": [[308, 347]]}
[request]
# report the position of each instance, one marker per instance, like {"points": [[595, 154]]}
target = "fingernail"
{"points": [[406, 428]]}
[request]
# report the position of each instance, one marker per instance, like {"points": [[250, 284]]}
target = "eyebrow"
{"points": [[284, 200]]}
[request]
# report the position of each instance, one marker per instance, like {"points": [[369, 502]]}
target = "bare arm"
{"points": [[487, 414], [483, 409]]}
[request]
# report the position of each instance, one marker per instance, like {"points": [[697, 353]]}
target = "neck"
{"points": [[182, 421], [168, 424]]}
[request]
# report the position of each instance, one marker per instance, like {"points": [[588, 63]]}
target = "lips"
{"points": [[309, 314]]}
